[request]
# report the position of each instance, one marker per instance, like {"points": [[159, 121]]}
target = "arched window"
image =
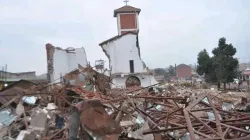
{"points": [[133, 81]]}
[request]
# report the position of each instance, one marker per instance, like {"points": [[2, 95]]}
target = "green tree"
{"points": [[205, 66], [203, 61], [222, 66], [160, 71], [171, 70], [224, 63]]}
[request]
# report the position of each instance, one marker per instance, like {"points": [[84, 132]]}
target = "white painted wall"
{"points": [[146, 80], [121, 51], [65, 62]]}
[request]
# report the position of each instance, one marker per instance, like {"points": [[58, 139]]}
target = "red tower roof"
{"points": [[126, 9]]}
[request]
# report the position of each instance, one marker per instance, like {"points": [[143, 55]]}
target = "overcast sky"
{"points": [[171, 31]]}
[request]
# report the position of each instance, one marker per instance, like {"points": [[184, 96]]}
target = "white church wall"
{"points": [[123, 48], [146, 80], [65, 62], [119, 82], [121, 51]]}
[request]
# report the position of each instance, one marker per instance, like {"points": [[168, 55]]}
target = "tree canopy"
{"points": [[160, 71], [222, 66], [204, 61], [171, 70]]}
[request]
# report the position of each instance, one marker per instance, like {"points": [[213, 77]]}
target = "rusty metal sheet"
{"points": [[15, 91], [95, 119]]}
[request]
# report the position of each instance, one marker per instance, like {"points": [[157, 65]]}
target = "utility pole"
{"points": [[248, 84], [5, 84], [1, 73], [3, 76], [175, 70]]}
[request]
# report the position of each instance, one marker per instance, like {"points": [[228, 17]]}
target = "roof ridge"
{"points": [[116, 37], [126, 8]]}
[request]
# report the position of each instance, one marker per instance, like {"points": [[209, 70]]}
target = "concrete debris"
{"points": [[63, 111], [20, 108], [3, 132], [22, 134], [138, 134], [39, 121], [51, 106], [29, 100]]}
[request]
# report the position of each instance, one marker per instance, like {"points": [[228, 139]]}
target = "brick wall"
{"points": [[183, 71], [127, 21]]}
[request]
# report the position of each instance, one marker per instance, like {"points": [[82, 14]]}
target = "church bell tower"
{"points": [[127, 19]]}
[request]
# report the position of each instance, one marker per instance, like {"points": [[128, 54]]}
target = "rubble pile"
{"points": [[51, 112]]}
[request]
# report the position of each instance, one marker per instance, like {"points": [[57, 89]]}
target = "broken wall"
{"points": [[146, 80], [122, 50], [62, 61], [88, 78]]}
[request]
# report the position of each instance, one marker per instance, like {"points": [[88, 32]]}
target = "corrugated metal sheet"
{"points": [[12, 92], [6, 118], [96, 120]]}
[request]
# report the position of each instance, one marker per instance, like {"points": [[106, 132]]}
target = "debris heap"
{"points": [[51, 112]]}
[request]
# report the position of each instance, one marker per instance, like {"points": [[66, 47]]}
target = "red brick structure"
{"points": [[183, 71], [127, 19], [246, 74]]}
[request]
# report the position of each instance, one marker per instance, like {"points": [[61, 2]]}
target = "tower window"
{"points": [[131, 65]]}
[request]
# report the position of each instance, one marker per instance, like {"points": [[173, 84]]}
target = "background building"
{"points": [[183, 71], [243, 66]]}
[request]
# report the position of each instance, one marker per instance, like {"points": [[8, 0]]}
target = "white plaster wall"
{"points": [[121, 51], [60, 64], [153, 81], [118, 82], [146, 80], [72, 64], [81, 57], [108, 48], [66, 62]]}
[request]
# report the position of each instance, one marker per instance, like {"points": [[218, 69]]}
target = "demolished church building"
{"points": [[123, 51], [62, 61], [70, 67], [179, 112]]}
